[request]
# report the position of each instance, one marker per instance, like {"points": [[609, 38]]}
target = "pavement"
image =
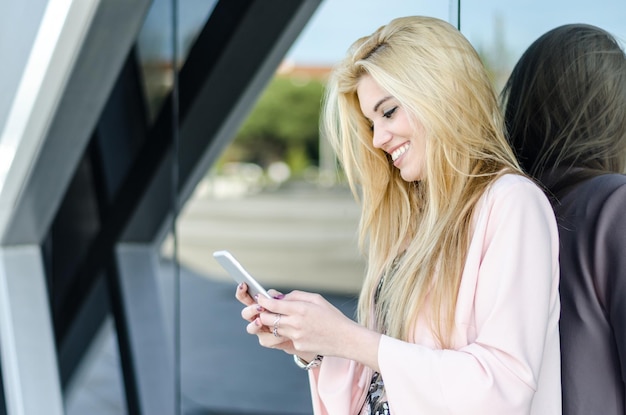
{"points": [[291, 238], [301, 235]]}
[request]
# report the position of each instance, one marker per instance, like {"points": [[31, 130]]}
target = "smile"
{"points": [[399, 151]]}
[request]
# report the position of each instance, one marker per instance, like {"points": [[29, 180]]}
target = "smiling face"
{"points": [[392, 131]]}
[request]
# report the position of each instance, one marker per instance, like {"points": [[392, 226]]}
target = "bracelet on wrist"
{"points": [[303, 364]]}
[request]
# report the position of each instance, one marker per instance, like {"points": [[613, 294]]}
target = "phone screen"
{"points": [[239, 274]]}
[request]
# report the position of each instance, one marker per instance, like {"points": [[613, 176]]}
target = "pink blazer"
{"points": [[505, 358]]}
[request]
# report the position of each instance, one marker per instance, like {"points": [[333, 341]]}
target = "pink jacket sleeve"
{"points": [[339, 386]]}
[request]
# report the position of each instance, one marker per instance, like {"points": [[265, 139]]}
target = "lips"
{"points": [[399, 151]]}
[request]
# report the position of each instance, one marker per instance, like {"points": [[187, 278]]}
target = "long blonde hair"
{"points": [[438, 78]]}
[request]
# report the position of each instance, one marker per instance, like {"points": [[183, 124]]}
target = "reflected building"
{"points": [[101, 143]]}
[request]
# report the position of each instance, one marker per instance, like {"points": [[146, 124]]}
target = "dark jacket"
{"points": [[592, 229]]}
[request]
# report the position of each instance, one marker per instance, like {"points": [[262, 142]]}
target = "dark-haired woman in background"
{"points": [[565, 110]]}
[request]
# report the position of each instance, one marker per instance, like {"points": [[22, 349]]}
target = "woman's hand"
{"points": [[308, 326], [313, 325], [316, 327], [242, 294], [252, 314]]}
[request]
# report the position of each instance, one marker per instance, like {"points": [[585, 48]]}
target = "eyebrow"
{"points": [[379, 103]]}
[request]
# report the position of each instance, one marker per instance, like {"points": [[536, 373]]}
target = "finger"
{"points": [[267, 337], [276, 306], [251, 312], [275, 294], [297, 295], [269, 318], [255, 327], [242, 294], [269, 341], [275, 324], [291, 303]]}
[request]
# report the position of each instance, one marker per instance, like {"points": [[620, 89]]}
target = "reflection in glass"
{"points": [[154, 45]]}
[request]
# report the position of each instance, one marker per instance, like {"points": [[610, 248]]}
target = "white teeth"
{"points": [[400, 151]]}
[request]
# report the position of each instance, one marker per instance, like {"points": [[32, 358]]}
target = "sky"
{"points": [[337, 23]]}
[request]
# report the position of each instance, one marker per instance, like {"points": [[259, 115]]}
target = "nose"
{"points": [[380, 136]]}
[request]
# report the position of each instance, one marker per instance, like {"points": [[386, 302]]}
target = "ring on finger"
{"points": [[276, 323]]}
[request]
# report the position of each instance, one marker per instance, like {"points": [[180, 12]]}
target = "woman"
{"points": [[459, 308], [566, 116]]}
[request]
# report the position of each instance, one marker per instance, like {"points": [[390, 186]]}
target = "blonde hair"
{"points": [[438, 78]]}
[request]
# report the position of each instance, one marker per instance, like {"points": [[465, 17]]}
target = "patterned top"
{"points": [[375, 403]]}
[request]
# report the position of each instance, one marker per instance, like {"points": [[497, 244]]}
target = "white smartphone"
{"points": [[239, 273]]}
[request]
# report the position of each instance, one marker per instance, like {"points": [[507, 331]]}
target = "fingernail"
{"points": [[256, 298], [240, 286], [259, 308], [279, 296], [257, 322]]}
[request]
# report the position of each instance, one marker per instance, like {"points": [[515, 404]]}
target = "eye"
{"points": [[389, 113]]}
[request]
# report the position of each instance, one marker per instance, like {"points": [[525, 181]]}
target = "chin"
{"points": [[410, 176]]}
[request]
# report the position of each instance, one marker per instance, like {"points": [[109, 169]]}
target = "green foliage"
{"points": [[283, 125]]}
